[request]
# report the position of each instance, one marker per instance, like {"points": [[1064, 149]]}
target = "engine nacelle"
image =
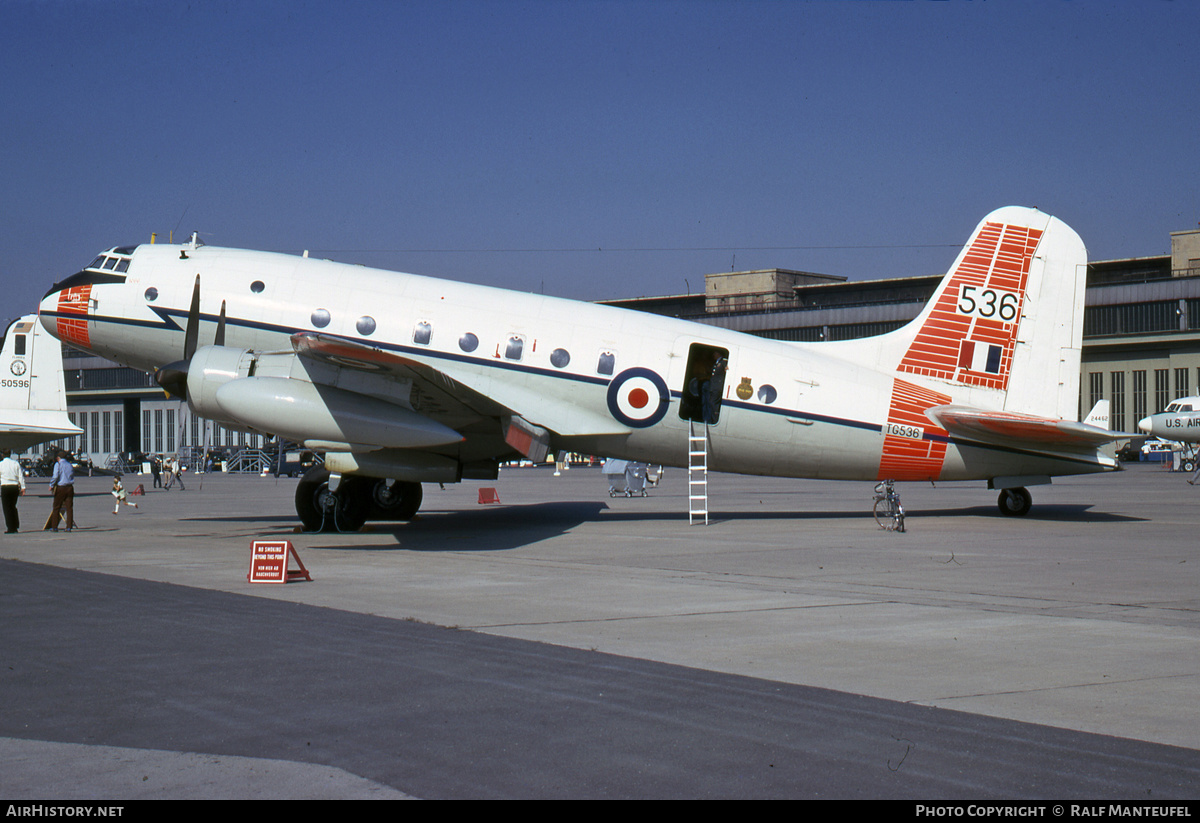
{"points": [[223, 385], [210, 368]]}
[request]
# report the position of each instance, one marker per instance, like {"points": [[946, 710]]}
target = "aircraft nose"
{"points": [[47, 309], [1144, 425]]}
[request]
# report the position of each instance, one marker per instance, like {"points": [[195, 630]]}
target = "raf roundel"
{"points": [[638, 398]]}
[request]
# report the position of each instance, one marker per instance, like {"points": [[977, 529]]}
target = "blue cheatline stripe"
{"points": [[168, 323]]}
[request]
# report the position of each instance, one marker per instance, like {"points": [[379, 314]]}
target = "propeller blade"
{"points": [[191, 333], [220, 339], [173, 378]]}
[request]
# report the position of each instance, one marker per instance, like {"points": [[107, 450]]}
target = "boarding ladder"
{"points": [[697, 473]]}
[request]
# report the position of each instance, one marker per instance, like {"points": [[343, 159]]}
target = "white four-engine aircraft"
{"points": [[404, 379]]}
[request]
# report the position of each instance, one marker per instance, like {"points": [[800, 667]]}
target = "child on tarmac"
{"points": [[118, 491]]}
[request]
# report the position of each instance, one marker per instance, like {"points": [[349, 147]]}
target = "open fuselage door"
{"points": [[703, 384]]}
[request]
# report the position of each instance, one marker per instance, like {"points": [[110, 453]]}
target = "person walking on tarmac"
{"points": [[62, 484], [12, 486]]}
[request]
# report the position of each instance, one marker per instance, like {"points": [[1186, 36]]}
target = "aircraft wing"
{"points": [[1011, 428], [446, 390], [435, 393]]}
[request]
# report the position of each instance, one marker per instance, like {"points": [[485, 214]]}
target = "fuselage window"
{"points": [[257, 286], [19, 345], [320, 318], [468, 342], [151, 294], [767, 393], [607, 363], [559, 358], [514, 347], [366, 325], [423, 333]]}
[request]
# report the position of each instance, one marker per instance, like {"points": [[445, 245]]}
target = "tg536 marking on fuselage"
{"points": [[403, 379]]}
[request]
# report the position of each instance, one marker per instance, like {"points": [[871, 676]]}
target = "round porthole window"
{"points": [[365, 325], [151, 294], [320, 318], [559, 358], [257, 286], [468, 342]]}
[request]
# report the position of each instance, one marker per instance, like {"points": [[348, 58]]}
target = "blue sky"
{"points": [[590, 149]]}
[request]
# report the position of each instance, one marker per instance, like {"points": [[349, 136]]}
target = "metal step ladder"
{"points": [[697, 474]]}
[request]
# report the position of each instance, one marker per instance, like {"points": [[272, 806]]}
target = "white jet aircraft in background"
{"points": [[1179, 422], [33, 397], [403, 379]]}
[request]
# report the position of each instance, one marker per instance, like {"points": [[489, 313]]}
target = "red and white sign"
{"points": [[269, 562]]}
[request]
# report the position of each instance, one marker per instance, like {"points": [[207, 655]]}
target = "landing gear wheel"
{"points": [[1188, 465], [1015, 502], [398, 501], [322, 510]]}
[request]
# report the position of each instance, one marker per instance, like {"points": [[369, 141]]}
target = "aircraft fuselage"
{"points": [[601, 380]]}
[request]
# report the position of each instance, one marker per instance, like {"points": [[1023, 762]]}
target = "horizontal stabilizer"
{"points": [[1010, 428]]}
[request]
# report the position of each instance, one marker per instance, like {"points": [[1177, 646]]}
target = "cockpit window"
{"points": [[114, 260]]}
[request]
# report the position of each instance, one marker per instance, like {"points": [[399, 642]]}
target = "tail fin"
{"points": [[33, 397], [1098, 416], [1005, 326]]}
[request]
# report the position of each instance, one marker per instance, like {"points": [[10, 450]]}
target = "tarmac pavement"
{"points": [[567, 644]]}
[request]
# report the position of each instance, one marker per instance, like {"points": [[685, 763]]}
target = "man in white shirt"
{"points": [[12, 486]]}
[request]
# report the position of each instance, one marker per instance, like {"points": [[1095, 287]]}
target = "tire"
{"points": [[889, 515], [1015, 502], [1188, 466], [398, 501], [321, 510]]}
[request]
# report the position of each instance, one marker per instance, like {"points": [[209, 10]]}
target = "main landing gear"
{"points": [[356, 500], [1015, 502]]}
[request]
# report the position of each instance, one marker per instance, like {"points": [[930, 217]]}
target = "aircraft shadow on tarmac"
{"points": [[491, 529], [1060, 512], [509, 527], [499, 528]]}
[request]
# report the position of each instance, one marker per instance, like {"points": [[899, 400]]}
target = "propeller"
{"points": [[191, 332], [173, 376]]}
